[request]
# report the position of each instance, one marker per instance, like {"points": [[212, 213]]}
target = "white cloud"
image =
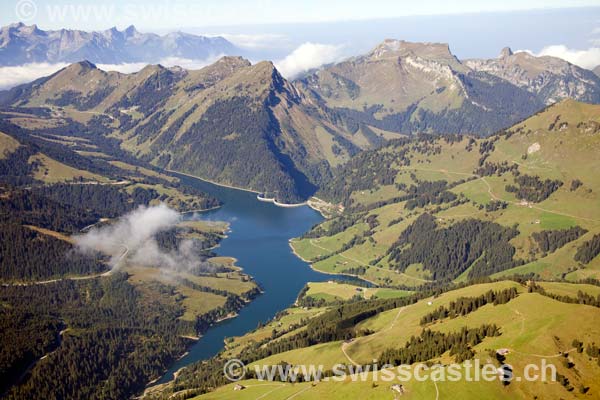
{"points": [[123, 68], [130, 233], [16, 75], [134, 236], [256, 41], [13, 76], [308, 56], [189, 63], [165, 62], [589, 58]]}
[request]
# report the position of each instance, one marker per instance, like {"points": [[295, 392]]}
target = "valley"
{"points": [[401, 207]]}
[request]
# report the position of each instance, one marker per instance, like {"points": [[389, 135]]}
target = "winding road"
{"points": [[75, 278]]}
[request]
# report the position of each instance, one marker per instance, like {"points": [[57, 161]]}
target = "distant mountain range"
{"points": [[21, 44], [597, 70], [551, 79], [245, 125]]}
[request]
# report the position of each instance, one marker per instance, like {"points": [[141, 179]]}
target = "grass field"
{"points": [[7, 145], [52, 171], [285, 322], [331, 291], [567, 154], [533, 327]]}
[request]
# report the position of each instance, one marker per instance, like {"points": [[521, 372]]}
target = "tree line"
{"points": [[549, 241], [431, 344], [466, 305], [447, 252]]}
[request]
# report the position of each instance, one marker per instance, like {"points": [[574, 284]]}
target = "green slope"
{"points": [[536, 177]]}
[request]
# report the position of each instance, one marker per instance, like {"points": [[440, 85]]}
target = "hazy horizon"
{"points": [[301, 46]]}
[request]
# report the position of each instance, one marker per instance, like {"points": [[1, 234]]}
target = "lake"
{"points": [[259, 240]]}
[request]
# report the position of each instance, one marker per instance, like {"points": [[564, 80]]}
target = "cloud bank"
{"points": [[256, 41], [307, 56], [16, 75], [13, 76], [133, 237], [589, 58]]}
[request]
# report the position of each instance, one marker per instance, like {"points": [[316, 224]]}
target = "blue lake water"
{"points": [[259, 240]]}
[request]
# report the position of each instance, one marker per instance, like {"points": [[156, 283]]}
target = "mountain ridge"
{"points": [[22, 44], [170, 116], [426, 89], [298, 130], [551, 78]]}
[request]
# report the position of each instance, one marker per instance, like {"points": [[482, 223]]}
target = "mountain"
{"points": [[418, 87], [433, 209], [597, 70], [551, 79], [21, 44], [232, 122], [270, 135]]}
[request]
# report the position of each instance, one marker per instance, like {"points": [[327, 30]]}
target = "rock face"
{"points": [[21, 44], [597, 71], [551, 79], [419, 87]]}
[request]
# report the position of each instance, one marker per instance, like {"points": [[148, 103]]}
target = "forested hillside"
{"points": [[87, 324], [429, 209], [232, 122]]}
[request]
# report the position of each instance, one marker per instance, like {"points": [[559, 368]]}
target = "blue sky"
{"points": [[173, 14]]}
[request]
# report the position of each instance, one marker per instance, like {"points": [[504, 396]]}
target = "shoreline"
{"points": [[322, 207], [309, 262], [278, 204], [212, 182], [258, 197], [152, 384], [231, 315], [201, 210]]}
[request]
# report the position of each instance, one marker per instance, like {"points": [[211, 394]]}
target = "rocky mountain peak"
{"points": [[83, 66], [550, 78], [232, 62], [21, 29], [395, 48], [130, 31], [506, 52]]}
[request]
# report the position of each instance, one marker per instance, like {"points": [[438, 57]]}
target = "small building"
{"points": [[397, 389], [502, 352]]}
